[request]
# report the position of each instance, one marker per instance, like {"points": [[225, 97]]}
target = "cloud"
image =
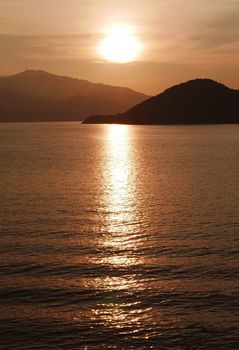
{"points": [[176, 32], [219, 31], [48, 47]]}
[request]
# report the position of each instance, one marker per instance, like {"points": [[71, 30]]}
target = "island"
{"points": [[199, 101]]}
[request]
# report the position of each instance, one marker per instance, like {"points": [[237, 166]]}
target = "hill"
{"points": [[197, 101], [59, 98], [16, 107]]}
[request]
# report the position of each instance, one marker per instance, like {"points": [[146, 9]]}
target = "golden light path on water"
{"points": [[119, 175], [120, 192], [120, 241]]}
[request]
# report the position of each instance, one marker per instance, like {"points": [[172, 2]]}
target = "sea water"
{"points": [[119, 237]]}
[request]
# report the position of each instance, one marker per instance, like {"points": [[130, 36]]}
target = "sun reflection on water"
{"points": [[119, 175], [119, 242], [119, 196]]}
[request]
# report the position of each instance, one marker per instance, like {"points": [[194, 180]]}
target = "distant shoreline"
{"points": [[83, 123]]}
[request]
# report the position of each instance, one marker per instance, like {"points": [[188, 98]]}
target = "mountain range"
{"points": [[36, 95], [199, 101]]}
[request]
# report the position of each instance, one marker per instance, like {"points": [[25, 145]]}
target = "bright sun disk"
{"points": [[120, 45]]}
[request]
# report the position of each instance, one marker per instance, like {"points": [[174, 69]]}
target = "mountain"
{"points": [[16, 107], [38, 95], [197, 101]]}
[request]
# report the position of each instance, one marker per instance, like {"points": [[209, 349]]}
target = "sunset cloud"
{"points": [[221, 30], [175, 33]]}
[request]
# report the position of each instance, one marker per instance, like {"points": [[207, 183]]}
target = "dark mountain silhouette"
{"points": [[194, 102], [16, 107], [38, 95]]}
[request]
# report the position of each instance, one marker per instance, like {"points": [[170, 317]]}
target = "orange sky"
{"points": [[181, 40]]}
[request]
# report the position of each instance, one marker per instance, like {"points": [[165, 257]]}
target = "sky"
{"points": [[181, 40]]}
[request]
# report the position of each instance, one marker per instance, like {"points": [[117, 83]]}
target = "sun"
{"points": [[120, 45]]}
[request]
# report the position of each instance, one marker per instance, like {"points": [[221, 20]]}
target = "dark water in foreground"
{"points": [[119, 237]]}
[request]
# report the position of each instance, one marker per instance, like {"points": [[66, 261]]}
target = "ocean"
{"points": [[119, 237]]}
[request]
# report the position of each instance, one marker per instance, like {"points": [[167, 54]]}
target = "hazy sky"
{"points": [[182, 40]]}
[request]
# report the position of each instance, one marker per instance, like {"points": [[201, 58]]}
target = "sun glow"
{"points": [[120, 45]]}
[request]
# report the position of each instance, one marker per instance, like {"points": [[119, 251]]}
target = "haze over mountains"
{"points": [[199, 101], [41, 96]]}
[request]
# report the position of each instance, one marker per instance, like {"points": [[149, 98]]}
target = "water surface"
{"points": [[119, 237]]}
